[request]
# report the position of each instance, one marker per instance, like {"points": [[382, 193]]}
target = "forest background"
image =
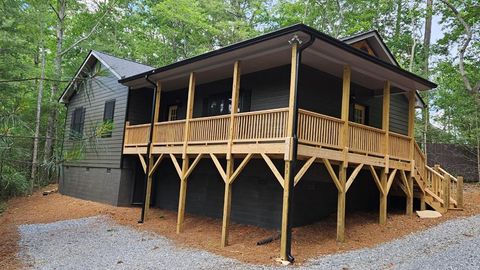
{"points": [[43, 42]]}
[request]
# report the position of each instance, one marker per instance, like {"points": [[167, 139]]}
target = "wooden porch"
{"points": [[265, 132], [290, 134]]}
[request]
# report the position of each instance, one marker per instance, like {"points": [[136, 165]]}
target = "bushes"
{"points": [[13, 183]]}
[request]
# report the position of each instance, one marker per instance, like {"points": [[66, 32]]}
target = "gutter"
{"points": [[291, 181], [149, 142]]}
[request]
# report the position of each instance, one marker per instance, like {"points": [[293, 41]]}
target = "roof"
{"points": [[376, 42], [298, 28], [120, 68]]}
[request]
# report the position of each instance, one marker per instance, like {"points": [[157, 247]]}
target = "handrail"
{"points": [[435, 172], [447, 173], [366, 127]]}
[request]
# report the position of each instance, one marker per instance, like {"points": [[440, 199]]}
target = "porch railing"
{"points": [[271, 125], [366, 139], [212, 129], [136, 134], [399, 146], [319, 129], [169, 132], [268, 125]]}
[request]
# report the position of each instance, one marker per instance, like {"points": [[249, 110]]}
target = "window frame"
{"points": [[169, 112], [105, 119], [363, 109], [76, 128]]}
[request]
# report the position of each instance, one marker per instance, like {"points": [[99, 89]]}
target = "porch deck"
{"points": [[265, 132]]}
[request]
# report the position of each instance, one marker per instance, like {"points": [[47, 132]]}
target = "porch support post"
{"points": [[342, 173], [151, 161], [411, 134], [386, 129], [227, 200], [182, 196], [185, 161], [227, 203], [286, 230]]}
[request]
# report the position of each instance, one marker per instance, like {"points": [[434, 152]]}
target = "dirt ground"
{"points": [[362, 229]]}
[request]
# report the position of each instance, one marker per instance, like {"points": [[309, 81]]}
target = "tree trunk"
{"points": [[37, 118], [398, 19], [426, 45], [52, 118]]}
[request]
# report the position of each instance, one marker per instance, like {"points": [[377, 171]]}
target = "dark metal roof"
{"points": [[121, 68], [291, 29]]}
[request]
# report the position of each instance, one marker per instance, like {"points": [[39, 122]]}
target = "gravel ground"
{"points": [[99, 243]]}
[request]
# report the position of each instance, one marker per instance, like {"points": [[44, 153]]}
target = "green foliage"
{"points": [[162, 32]]}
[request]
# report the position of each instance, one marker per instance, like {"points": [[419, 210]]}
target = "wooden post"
{"points": [[446, 191], [342, 177], [411, 134], [345, 111], [386, 129], [460, 191], [185, 161], [383, 197], [284, 252], [227, 200], [285, 231], [409, 206], [182, 196], [342, 174], [148, 190]]}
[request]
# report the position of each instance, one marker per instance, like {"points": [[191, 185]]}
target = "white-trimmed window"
{"points": [[172, 112], [359, 114]]}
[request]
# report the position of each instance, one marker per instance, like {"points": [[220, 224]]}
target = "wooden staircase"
{"points": [[438, 188]]}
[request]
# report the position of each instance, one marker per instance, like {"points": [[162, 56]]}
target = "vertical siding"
{"points": [[108, 150]]}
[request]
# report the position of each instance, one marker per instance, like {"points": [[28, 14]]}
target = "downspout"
{"points": [[294, 147], [149, 142]]}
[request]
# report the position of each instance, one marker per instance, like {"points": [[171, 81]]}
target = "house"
{"points": [[278, 131], [94, 96]]}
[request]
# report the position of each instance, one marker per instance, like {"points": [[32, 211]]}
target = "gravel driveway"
{"points": [[100, 243]]}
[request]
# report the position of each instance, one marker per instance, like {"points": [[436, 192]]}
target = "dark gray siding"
{"points": [[96, 184], [257, 198], [107, 151]]}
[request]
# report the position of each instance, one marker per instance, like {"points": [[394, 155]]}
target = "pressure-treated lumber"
{"points": [[386, 122], [176, 165], [241, 167], [182, 196], [219, 168], [227, 203], [333, 175], [285, 213], [460, 192], [189, 112], [409, 204], [234, 106], [274, 170], [390, 180], [156, 164], [376, 179], [383, 197], [345, 112], [353, 176], [142, 161], [303, 170], [341, 201]]}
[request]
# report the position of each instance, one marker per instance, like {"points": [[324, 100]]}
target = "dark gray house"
{"points": [[276, 131], [93, 97]]}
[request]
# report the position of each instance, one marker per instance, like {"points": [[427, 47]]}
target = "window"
{"points": [[172, 112], [76, 125], [359, 114], [219, 104], [108, 113]]}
